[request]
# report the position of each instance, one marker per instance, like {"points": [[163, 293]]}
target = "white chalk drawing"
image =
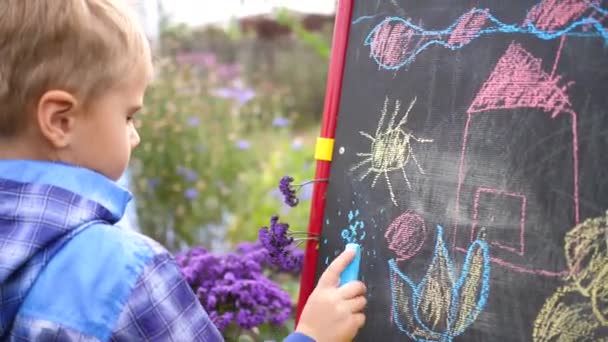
{"points": [[391, 149]]}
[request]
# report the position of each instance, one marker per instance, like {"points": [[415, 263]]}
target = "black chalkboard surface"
{"points": [[471, 147]]}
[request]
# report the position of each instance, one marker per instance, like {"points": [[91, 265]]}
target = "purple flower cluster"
{"points": [[288, 191], [279, 245], [188, 174], [261, 254], [233, 288], [239, 94]]}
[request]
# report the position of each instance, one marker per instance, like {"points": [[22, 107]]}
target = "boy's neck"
{"points": [[24, 148]]}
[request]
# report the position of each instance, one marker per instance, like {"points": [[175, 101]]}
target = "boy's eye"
{"points": [[131, 113], [131, 117]]}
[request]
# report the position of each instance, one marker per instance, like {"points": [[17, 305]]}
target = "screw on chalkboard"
{"points": [[289, 191]]}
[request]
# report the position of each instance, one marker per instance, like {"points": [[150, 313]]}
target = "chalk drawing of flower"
{"points": [[441, 306]]}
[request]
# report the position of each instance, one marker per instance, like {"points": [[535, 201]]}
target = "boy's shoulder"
{"points": [[123, 246], [91, 279]]}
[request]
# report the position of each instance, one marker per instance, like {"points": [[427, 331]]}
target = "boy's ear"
{"points": [[56, 115]]}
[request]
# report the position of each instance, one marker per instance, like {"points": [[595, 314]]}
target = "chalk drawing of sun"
{"points": [[391, 149]]}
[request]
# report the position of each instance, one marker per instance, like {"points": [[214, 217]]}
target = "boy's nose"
{"points": [[135, 139]]}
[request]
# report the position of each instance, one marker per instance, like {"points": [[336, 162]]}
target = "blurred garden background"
{"points": [[235, 106]]}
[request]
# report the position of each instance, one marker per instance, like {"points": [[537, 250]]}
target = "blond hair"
{"points": [[80, 46]]}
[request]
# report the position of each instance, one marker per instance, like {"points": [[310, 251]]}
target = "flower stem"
{"points": [[303, 233], [300, 241], [311, 181]]}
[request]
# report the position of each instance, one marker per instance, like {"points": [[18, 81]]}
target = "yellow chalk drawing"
{"points": [[470, 290], [578, 311], [441, 307], [586, 254], [566, 317], [391, 149]]}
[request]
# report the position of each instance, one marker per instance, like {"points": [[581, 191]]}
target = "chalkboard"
{"points": [[470, 151]]}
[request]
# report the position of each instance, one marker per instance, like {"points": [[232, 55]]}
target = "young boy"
{"points": [[72, 76]]}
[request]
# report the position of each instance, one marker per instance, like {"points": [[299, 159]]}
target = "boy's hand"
{"points": [[332, 313]]}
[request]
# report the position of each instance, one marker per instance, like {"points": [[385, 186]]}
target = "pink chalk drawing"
{"points": [[393, 41], [519, 81], [522, 227], [406, 235], [559, 53], [468, 27], [598, 17], [551, 15]]}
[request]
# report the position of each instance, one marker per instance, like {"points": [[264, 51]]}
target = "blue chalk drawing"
{"points": [[355, 232], [575, 29], [439, 308]]}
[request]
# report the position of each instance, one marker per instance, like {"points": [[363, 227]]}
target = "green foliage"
{"points": [[319, 43], [276, 155], [188, 159], [214, 147], [211, 161], [297, 62]]}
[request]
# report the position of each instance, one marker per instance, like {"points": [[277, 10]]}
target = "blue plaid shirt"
{"points": [[67, 273]]}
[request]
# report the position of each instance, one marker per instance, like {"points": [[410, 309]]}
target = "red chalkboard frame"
{"points": [[330, 113]]}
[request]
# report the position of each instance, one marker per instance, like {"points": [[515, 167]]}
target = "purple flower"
{"points": [[223, 321], [289, 193], [280, 317], [229, 72], [193, 121], [296, 261], [204, 59], [297, 144], [191, 193], [275, 238], [243, 144], [233, 288], [241, 95], [248, 247], [255, 251], [280, 122], [153, 183], [279, 245], [188, 174]]}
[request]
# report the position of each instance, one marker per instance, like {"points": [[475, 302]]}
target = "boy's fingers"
{"points": [[357, 304], [359, 320], [352, 290], [331, 276]]}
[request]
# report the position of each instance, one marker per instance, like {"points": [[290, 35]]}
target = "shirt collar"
{"points": [[80, 181]]}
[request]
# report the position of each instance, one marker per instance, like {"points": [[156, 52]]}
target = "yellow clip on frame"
{"points": [[324, 149]]}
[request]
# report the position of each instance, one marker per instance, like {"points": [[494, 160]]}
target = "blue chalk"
{"points": [[351, 273]]}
